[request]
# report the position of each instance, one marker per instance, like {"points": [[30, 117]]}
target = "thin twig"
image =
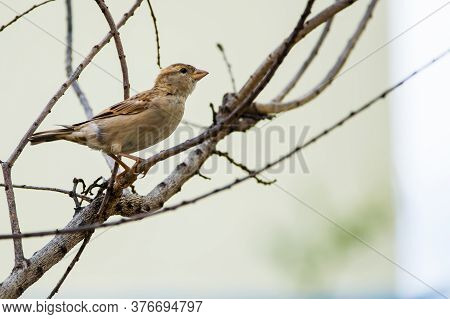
{"points": [[95, 184], [69, 69], [19, 258], [51, 189], [119, 47], [3, 27], [228, 65], [203, 176], [305, 64], [276, 107], [243, 167], [109, 191], [77, 202], [214, 113], [158, 54], [299, 148], [72, 264]]}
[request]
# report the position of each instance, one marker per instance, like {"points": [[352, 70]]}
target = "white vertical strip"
{"points": [[421, 146]]}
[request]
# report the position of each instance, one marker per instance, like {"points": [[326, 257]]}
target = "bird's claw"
{"points": [[144, 173]]}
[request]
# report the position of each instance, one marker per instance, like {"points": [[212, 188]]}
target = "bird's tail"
{"points": [[50, 136]]}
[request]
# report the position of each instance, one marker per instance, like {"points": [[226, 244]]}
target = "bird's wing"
{"points": [[134, 105], [127, 107]]}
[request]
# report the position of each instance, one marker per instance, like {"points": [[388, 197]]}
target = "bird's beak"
{"points": [[199, 74]]}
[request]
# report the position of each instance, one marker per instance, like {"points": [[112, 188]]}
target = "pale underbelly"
{"points": [[144, 137]]}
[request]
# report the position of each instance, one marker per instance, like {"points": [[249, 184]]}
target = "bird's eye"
{"points": [[183, 70]]}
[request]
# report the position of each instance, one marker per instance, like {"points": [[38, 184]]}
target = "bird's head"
{"points": [[179, 79]]}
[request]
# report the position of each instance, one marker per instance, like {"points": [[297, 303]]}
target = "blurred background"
{"points": [[361, 214]]}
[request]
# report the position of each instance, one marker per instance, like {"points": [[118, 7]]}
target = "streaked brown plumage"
{"points": [[141, 121]]}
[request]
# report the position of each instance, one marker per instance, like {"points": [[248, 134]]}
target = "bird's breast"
{"points": [[154, 125]]}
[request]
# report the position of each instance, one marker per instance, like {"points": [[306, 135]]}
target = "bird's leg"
{"points": [[132, 157], [119, 161], [138, 160]]}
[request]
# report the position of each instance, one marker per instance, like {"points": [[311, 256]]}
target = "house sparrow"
{"points": [[138, 122]]}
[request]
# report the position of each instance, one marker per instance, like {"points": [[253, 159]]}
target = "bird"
{"points": [[136, 123]]}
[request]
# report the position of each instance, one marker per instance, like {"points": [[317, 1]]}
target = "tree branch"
{"points": [[313, 23], [51, 189], [119, 47], [19, 259], [228, 65], [242, 166], [71, 265], [305, 64], [276, 107], [158, 54], [69, 69]]}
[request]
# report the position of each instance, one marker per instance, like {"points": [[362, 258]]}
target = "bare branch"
{"points": [[51, 189], [109, 193], [276, 107], [3, 27], [158, 54], [243, 167], [203, 176], [41, 261], [213, 113], [19, 259], [305, 64], [274, 63], [72, 264], [313, 23], [119, 47], [69, 69], [228, 65]]}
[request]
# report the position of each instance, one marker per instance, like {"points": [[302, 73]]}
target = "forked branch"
{"points": [[277, 107]]}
